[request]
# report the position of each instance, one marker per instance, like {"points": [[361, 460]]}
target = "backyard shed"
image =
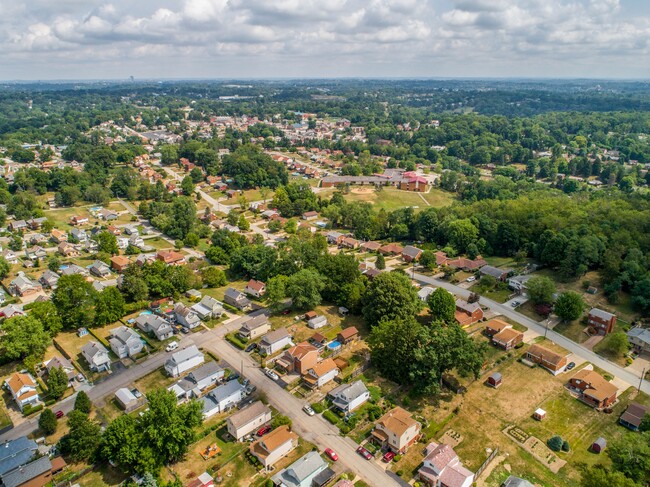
{"points": [[599, 445], [539, 414], [495, 379]]}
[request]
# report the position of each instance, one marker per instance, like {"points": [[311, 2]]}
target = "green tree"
{"points": [[4, 267], [304, 288], [390, 296], [46, 313], [428, 259], [57, 382], [630, 455], [187, 185], [276, 292], [380, 262], [555, 443], [442, 305], [599, 476], [183, 217], [107, 242], [47, 421], [617, 344], [24, 338], [109, 306], [281, 420], [191, 240], [53, 263], [74, 299], [213, 276], [243, 223], [569, 306], [83, 439], [291, 226], [540, 289], [135, 288], [82, 403], [122, 442]]}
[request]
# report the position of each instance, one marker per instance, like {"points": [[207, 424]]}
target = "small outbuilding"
{"points": [[128, 399], [599, 445], [539, 414], [495, 379]]}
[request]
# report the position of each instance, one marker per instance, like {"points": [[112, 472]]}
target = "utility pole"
{"points": [[641, 381], [546, 326]]}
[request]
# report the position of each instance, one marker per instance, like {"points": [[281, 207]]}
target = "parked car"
{"points": [[234, 376], [250, 389], [514, 304], [308, 409], [250, 348], [81, 378], [364, 453], [59, 414], [171, 347], [271, 374], [286, 311], [331, 454], [185, 330], [471, 279], [388, 456], [263, 430], [245, 382], [570, 365]]}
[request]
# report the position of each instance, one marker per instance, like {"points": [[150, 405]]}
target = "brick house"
{"points": [[593, 389], [467, 313], [551, 361], [601, 321]]}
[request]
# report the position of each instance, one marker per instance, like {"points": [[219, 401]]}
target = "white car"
{"points": [[171, 347], [471, 279], [271, 374], [308, 409]]}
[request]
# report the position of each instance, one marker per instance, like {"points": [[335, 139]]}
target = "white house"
{"points": [[22, 387], [275, 341], [248, 420], [317, 322], [208, 308], [273, 446], [442, 467], [222, 398], [425, 292], [348, 397], [97, 356], [184, 360], [255, 288], [150, 323], [197, 381], [186, 317], [255, 327], [321, 373], [125, 342]]}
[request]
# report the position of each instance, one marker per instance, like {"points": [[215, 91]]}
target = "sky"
{"points": [[185, 39]]}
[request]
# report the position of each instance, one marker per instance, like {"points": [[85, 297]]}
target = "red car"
{"points": [[59, 414], [331, 454], [388, 456], [263, 430], [364, 453]]}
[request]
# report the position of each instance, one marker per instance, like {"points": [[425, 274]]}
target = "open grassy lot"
{"points": [[72, 344], [391, 199], [155, 380], [101, 476]]}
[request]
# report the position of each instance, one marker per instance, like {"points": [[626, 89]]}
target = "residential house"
{"points": [[12, 310], [593, 389], [442, 467], [99, 269], [15, 453], [348, 335], [17, 225], [274, 341], [79, 234], [194, 294], [66, 249], [498, 274], [348, 397], [23, 286], [634, 416], [519, 283], [137, 241], [236, 298], [639, 338], [206, 375], [58, 236], [10, 256], [425, 292], [334, 238], [274, 445], [255, 327], [494, 326], [35, 253], [601, 321], [317, 322], [248, 420], [370, 246], [22, 388], [551, 361], [411, 253], [350, 243], [36, 473], [186, 316], [208, 308], [35, 238], [320, 374], [107, 215], [391, 249], [222, 398], [97, 356], [36, 223], [467, 313], [299, 358], [49, 279], [170, 257], [73, 269], [468, 265], [508, 338], [119, 263], [255, 288], [59, 362], [304, 472], [159, 327], [310, 215], [184, 360], [78, 220], [128, 400], [396, 430], [125, 342]]}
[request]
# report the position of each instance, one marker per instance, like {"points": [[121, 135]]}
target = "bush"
{"points": [[565, 446], [519, 345], [331, 417], [236, 340], [318, 407], [555, 443], [397, 458], [29, 409], [345, 429]]}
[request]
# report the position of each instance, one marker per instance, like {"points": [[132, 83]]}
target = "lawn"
{"points": [[101, 476], [72, 344], [391, 199], [573, 330], [157, 243], [5, 420], [155, 380]]}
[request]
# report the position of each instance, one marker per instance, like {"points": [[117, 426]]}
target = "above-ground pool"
{"points": [[333, 345], [146, 313]]}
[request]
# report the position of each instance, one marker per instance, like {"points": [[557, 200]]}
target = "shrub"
{"points": [[331, 417], [236, 340], [345, 429], [565, 446], [555, 443], [29, 409], [318, 407], [397, 458], [399, 473], [47, 421], [519, 345]]}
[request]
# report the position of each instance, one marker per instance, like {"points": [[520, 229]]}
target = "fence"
{"points": [[480, 470]]}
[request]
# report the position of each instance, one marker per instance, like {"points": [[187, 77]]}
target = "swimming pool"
{"points": [[333, 345]]}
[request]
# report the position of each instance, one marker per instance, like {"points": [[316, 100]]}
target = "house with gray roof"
{"points": [[248, 420], [497, 273], [186, 316], [14, 453], [208, 308], [97, 356], [255, 327], [302, 472], [236, 298], [79, 234], [100, 269], [150, 323], [274, 341], [23, 286], [184, 360], [222, 398], [125, 342], [49, 279], [60, 362], [348, 397], [38, 472], [639, 338], [73, 269]]}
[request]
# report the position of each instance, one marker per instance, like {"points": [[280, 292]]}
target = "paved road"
{"points": [[312, 428], [571, 346]]}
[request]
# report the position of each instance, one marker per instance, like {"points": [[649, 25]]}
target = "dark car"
{"points": [[232, 377], [286, 311], [185, 330], [364, 453], [570, 365], [251, 347]]}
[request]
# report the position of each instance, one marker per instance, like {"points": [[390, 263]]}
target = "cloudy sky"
{"points": [[90, 39]]}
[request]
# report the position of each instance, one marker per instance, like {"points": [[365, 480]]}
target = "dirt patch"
{"points": [[535, 447], [362, 190], [451, 438]]}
